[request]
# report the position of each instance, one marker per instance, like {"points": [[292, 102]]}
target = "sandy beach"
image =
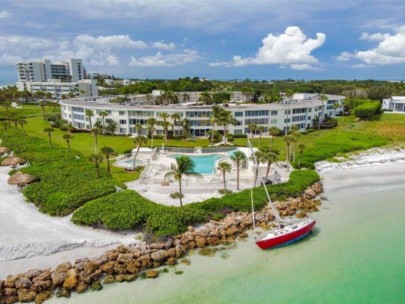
{"points": [[30, 239]]}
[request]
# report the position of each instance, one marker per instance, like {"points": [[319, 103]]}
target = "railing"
{"points": [[192, 150]]}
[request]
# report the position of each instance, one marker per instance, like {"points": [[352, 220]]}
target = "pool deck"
{"points": [[195, 189]]}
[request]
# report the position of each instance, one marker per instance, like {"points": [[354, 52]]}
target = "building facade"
{"points": [[300, 112], [58, 89], [45, 70], [396, 104]]}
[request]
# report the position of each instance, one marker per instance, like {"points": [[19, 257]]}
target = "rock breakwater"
{"points": [[126, 263]]}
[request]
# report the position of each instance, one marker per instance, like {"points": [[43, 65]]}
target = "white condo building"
{"points": [[395, 104], [300, 111], [56, 78], [44, 70], [85, 87]]}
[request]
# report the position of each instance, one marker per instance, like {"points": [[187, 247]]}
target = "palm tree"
{"points": [[288, 139], [273, 131], [138, 141], [5, 126], [96, 159], [257, 159], [103, 115], [237, 157], [185, 124], [226, 119], [261, 130], [252, 127], [301, 147], [96, 132], [184, 166], [269, 157], [165, 124], [215, 119], [205, 98], [107, 151], [42, 104], [22, 122], [89, 114], [176, 117], [323, 98], [49, 131], [151, 123], [68, 137], [295, 134], [138, 128], [224, 167], [112, 126], [335, 107]]}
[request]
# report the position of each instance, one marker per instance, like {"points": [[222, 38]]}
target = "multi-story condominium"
{"points": [[58, 89], [395, 104], [301, 111], [45, 70]]}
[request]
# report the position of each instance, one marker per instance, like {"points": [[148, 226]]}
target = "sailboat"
{"points": [[288, 230]]}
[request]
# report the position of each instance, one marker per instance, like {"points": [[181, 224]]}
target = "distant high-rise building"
{"points": [[44, 70]]}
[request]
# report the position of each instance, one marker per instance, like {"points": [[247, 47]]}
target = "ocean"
{"points": [[356, 254]]}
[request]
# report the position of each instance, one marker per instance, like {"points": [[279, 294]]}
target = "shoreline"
{"points": [[365, 158]]}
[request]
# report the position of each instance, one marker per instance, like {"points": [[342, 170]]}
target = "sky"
{"points": [[215, 39]]}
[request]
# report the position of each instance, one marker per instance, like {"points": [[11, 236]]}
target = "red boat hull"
{"points": [[286, 238]]}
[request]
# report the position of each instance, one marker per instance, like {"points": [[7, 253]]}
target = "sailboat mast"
{"points": [[273, 208]]}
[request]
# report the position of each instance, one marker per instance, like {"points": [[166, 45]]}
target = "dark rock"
{"points": [[23, 283], [58, 278], [96, 285], [109, 279], [64, 267], [81, 287], [26, 295], [43, 296]]}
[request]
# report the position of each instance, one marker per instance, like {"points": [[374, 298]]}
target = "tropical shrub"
{"points": [[66, 180], [128, 209], [367, 109]]}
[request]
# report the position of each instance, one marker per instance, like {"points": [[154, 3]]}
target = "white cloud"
{"points": [[4, 14], [109, 42], [161, 60], [390, 49], [7, 59], [290, 48], [221, 63], [170, 46]]}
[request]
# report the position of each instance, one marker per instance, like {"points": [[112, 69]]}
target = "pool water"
{"points": [[204, 164]]}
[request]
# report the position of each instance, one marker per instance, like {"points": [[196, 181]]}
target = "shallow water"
{"points": [[355, 255]]}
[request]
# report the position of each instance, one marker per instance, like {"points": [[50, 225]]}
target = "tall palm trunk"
{"points": [[181, 193], [50, 139], [237, 175], [98, 170], [108, 163], [268, 170], [136, 154], [212, 133], [223, 176], [68, 144]]}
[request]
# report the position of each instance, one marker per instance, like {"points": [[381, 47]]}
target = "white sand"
{"points": [[30, 239], [26, 232]]}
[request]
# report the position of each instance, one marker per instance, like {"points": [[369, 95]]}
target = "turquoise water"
{"points": [[356, 254], [204, 164]]}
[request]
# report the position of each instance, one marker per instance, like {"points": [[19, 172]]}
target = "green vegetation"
{"points": [[66, 180], [128, 209], [367, 109]]}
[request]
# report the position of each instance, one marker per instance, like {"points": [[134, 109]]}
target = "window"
{"points": [[299, 118], [238, 114], [273, 113], [78, 116], [123, 121], [287, 112], [298, 111], [122, 113], [258, 121], [77, 109], [257, 113], [123, 130], [273, 121]]}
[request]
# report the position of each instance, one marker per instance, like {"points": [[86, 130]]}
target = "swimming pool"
{"points": [[204, 164]]}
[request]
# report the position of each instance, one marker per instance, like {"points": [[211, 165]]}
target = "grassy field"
{"points": [[349, 135]]}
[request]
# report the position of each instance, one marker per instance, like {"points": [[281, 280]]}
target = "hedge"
{"points": [[128, 209]]}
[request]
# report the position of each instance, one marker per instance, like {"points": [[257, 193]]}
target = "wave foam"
{"points": [[375, 156]]}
